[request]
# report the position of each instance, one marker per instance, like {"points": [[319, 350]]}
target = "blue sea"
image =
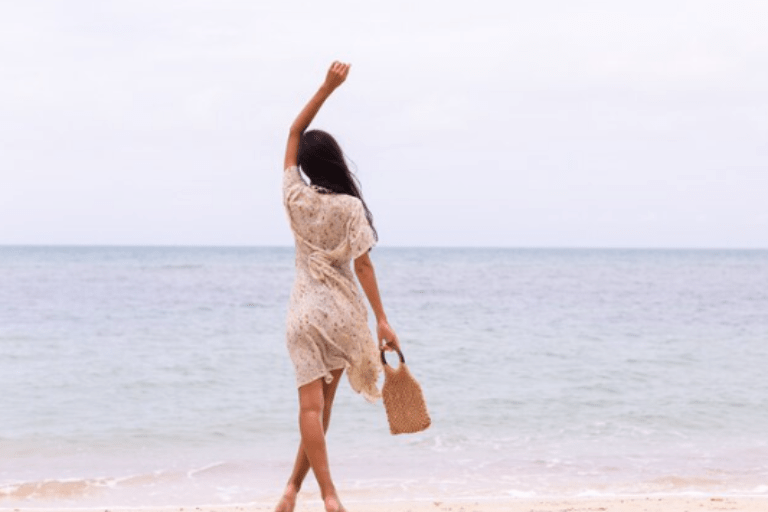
{"points": [[134, 376]]}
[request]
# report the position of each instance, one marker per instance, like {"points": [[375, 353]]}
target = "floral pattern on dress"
{"points": [[327, 324]]}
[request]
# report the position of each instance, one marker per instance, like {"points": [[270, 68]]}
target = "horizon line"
{"points": [[514, 247]]}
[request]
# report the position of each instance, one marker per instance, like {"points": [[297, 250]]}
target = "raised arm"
{"points": [[367, 278], [335, 77]]}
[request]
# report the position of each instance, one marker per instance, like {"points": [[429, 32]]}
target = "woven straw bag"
{"points": [[403, 399]]}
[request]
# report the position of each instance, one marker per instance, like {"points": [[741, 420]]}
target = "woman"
{"points": [[327, 329]]}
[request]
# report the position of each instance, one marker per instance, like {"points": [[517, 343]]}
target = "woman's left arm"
{"points": [[335, 77], [367, 276]]}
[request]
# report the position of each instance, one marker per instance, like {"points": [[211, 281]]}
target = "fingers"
{"points": [[340, 69], [337, 74], [390, 345], [388, 339]]}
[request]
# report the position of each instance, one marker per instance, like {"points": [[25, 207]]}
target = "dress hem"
{"points": [[326, 376]]}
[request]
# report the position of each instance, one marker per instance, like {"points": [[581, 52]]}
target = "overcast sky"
{"points": [[496, 123]]}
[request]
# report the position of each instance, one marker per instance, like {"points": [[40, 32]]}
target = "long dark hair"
{"points": [[322, 160]]}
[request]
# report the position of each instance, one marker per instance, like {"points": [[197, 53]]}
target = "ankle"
{"points": [[292, 489], [327, 494], [332, 503]]}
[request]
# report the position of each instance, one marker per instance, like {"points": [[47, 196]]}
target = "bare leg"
{"points": [[302, 465]]}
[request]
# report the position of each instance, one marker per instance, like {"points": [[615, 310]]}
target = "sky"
{"points": [[484, 123]]}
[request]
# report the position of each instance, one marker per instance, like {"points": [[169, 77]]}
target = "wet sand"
{"points": [[552, 504]]}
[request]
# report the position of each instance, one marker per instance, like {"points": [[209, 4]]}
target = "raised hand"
{"points": [[336, 74], [335, 77]]}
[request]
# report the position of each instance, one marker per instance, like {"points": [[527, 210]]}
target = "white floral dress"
{"points": [[327, 325]]}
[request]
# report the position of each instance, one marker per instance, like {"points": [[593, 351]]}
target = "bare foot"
{"points": [[332, 504], [287, 502]]}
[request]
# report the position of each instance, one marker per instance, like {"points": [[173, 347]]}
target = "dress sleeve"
{"points": [[359, 233], [293, 184]]}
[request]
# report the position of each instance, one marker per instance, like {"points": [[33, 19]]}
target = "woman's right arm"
{"points": [[336, 75], [367, 278]]}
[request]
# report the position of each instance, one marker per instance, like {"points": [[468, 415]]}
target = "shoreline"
{"points": [[628, 503]]}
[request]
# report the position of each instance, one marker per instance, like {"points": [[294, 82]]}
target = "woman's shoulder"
{"points": [[292, 176], [351, 204], [345, 200]]}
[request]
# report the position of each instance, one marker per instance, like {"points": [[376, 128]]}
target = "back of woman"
{"points": [[327, 326], [321, 218]]}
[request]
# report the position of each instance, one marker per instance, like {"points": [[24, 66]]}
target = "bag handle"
{"points": [[384, 360]]}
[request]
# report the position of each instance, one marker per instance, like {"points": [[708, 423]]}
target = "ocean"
{"points": [[134, 376]]}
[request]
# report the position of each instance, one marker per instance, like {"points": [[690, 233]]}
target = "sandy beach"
{"points": [[550, 504]]}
